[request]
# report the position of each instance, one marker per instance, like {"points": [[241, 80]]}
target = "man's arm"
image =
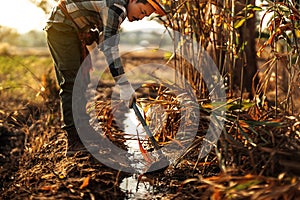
{"points": [[115, 16], [110, 48]]}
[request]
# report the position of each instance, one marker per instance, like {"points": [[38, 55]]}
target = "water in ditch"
{"points": [[131, 186]]}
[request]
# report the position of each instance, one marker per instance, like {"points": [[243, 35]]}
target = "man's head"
{"points": [[138, 9]]}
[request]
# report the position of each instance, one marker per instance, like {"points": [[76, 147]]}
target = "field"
{"points": [[256, 157]]}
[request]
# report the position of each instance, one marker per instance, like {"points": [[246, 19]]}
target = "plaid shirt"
{"points": [[105, 15]]}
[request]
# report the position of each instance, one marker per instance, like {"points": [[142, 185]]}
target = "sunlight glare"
{"points": [[25, 16], [22, 16]]}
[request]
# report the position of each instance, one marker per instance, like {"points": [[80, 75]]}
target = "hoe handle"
{"points": [[142, 120]]}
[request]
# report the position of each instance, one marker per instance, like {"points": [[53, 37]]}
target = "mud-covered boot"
{"points": [[74, 143], [91, 139]]}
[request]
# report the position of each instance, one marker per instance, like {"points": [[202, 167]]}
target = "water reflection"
{"points": [[132, 129], [131, 185], [135, 189]]}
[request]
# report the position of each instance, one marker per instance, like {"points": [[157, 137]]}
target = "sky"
{"points": [[25, 16], [21, 15]]}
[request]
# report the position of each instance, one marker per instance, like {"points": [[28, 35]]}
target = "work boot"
{"points": [[74, 143], [91, 139]]}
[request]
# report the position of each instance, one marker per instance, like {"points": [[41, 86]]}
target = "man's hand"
{"points": [[127, 93]]}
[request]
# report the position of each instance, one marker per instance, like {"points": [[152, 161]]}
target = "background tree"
{"points": [[245, 69], [8, 34], [45, 5], [32, 38]]}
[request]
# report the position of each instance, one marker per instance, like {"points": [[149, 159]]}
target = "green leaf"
{"points": [[243, 186], [239, 23], [252, 7], [168, 55], [246, 136]]}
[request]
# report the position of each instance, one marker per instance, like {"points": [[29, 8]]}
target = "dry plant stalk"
{"points": [[214, 24]]}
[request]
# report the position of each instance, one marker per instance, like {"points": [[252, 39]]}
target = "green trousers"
{"points": [[66, 51]]}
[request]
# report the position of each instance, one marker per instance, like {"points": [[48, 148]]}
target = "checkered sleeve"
{"points": [[115, 17]]}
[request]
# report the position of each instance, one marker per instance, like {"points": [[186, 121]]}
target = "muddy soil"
{"points": [[34, 165]]}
